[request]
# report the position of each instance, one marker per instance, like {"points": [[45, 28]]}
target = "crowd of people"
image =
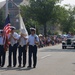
{"points": [[49, 40]]}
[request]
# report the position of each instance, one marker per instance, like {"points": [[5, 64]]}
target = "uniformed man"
{"points": [[22, 48], [2, 52], [13, 38], [33, 41]]}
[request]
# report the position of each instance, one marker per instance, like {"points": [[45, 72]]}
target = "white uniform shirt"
{"points": [[22, 41], [32, 39], [12, 41], [1, 40]]}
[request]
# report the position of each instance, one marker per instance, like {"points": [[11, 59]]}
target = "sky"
{"points": [[71, 2], [2, 0]]}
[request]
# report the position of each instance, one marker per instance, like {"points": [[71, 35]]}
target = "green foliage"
{"points": [[56, 33], [68, 24], [31, 23], [1, 19], [59, 14], [39, 12], [49, 32]]}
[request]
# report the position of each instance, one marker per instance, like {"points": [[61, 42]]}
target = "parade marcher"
{"points": [[13, 38], [2, 51], [33, 40], [22, 48]]}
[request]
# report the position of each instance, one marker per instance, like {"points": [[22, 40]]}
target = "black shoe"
{"points": [[19, 66], [23, 65], [2, 65], [29, 67], [8, 66], [14, 65], [34, 66]]}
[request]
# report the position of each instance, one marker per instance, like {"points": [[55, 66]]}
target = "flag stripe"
{"points": [[6, 30]]}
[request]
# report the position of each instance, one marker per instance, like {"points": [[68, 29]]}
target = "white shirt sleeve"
{"points": [[17, 36], [37, 39], [8, 36], [28, 38]]}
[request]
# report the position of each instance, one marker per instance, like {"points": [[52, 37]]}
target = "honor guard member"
{"points": [[33, 41], [2, 52], [13, 38], [22, 48]]}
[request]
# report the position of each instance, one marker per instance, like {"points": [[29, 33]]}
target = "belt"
{"points": [[22, 46], [13, 44], [32, 45]]}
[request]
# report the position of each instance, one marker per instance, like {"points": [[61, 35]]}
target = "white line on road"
{"points": [[45, 56]]}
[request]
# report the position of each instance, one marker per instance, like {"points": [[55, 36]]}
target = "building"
{"points": [[51, 29], [13, 6]]}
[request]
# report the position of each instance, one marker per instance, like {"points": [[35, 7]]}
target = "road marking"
{"points": [[45, 56]]}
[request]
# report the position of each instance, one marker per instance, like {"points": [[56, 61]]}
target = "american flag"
{"points": [[7, 25], [6, 30]]}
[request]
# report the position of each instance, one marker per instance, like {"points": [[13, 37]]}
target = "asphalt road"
{"points": [[51, 61]]}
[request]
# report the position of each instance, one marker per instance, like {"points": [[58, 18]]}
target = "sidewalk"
{"points": [[49, 47]]}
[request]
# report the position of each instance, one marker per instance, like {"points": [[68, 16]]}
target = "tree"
{"points": [[1, 19], [68, 25], [39, 10]]}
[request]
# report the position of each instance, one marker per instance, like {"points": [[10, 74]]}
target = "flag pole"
{"points": [[6, 8]]}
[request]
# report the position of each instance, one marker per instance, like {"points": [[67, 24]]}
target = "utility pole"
{"points": [[6, 8]]}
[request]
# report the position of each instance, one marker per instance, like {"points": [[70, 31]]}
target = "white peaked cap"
{"points": [[12, 27], [33, 29], [1, 31], [40, 35]]}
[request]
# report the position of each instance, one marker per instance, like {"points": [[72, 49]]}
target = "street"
{"points": [[51, 61]]}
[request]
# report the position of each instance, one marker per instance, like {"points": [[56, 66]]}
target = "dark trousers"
{"points": [[12, 51], [22, 54], [2, 56], [32, 52]]}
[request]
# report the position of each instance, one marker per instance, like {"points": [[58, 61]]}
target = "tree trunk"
{"points": [[45, 31]]}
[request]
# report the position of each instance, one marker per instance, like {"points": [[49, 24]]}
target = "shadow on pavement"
{"points": [[17, 69], [73, 63]]}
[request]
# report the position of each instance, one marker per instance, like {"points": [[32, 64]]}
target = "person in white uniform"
{"points": [[2, 51], [22, 48], [13, 38], [33, 41]]}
